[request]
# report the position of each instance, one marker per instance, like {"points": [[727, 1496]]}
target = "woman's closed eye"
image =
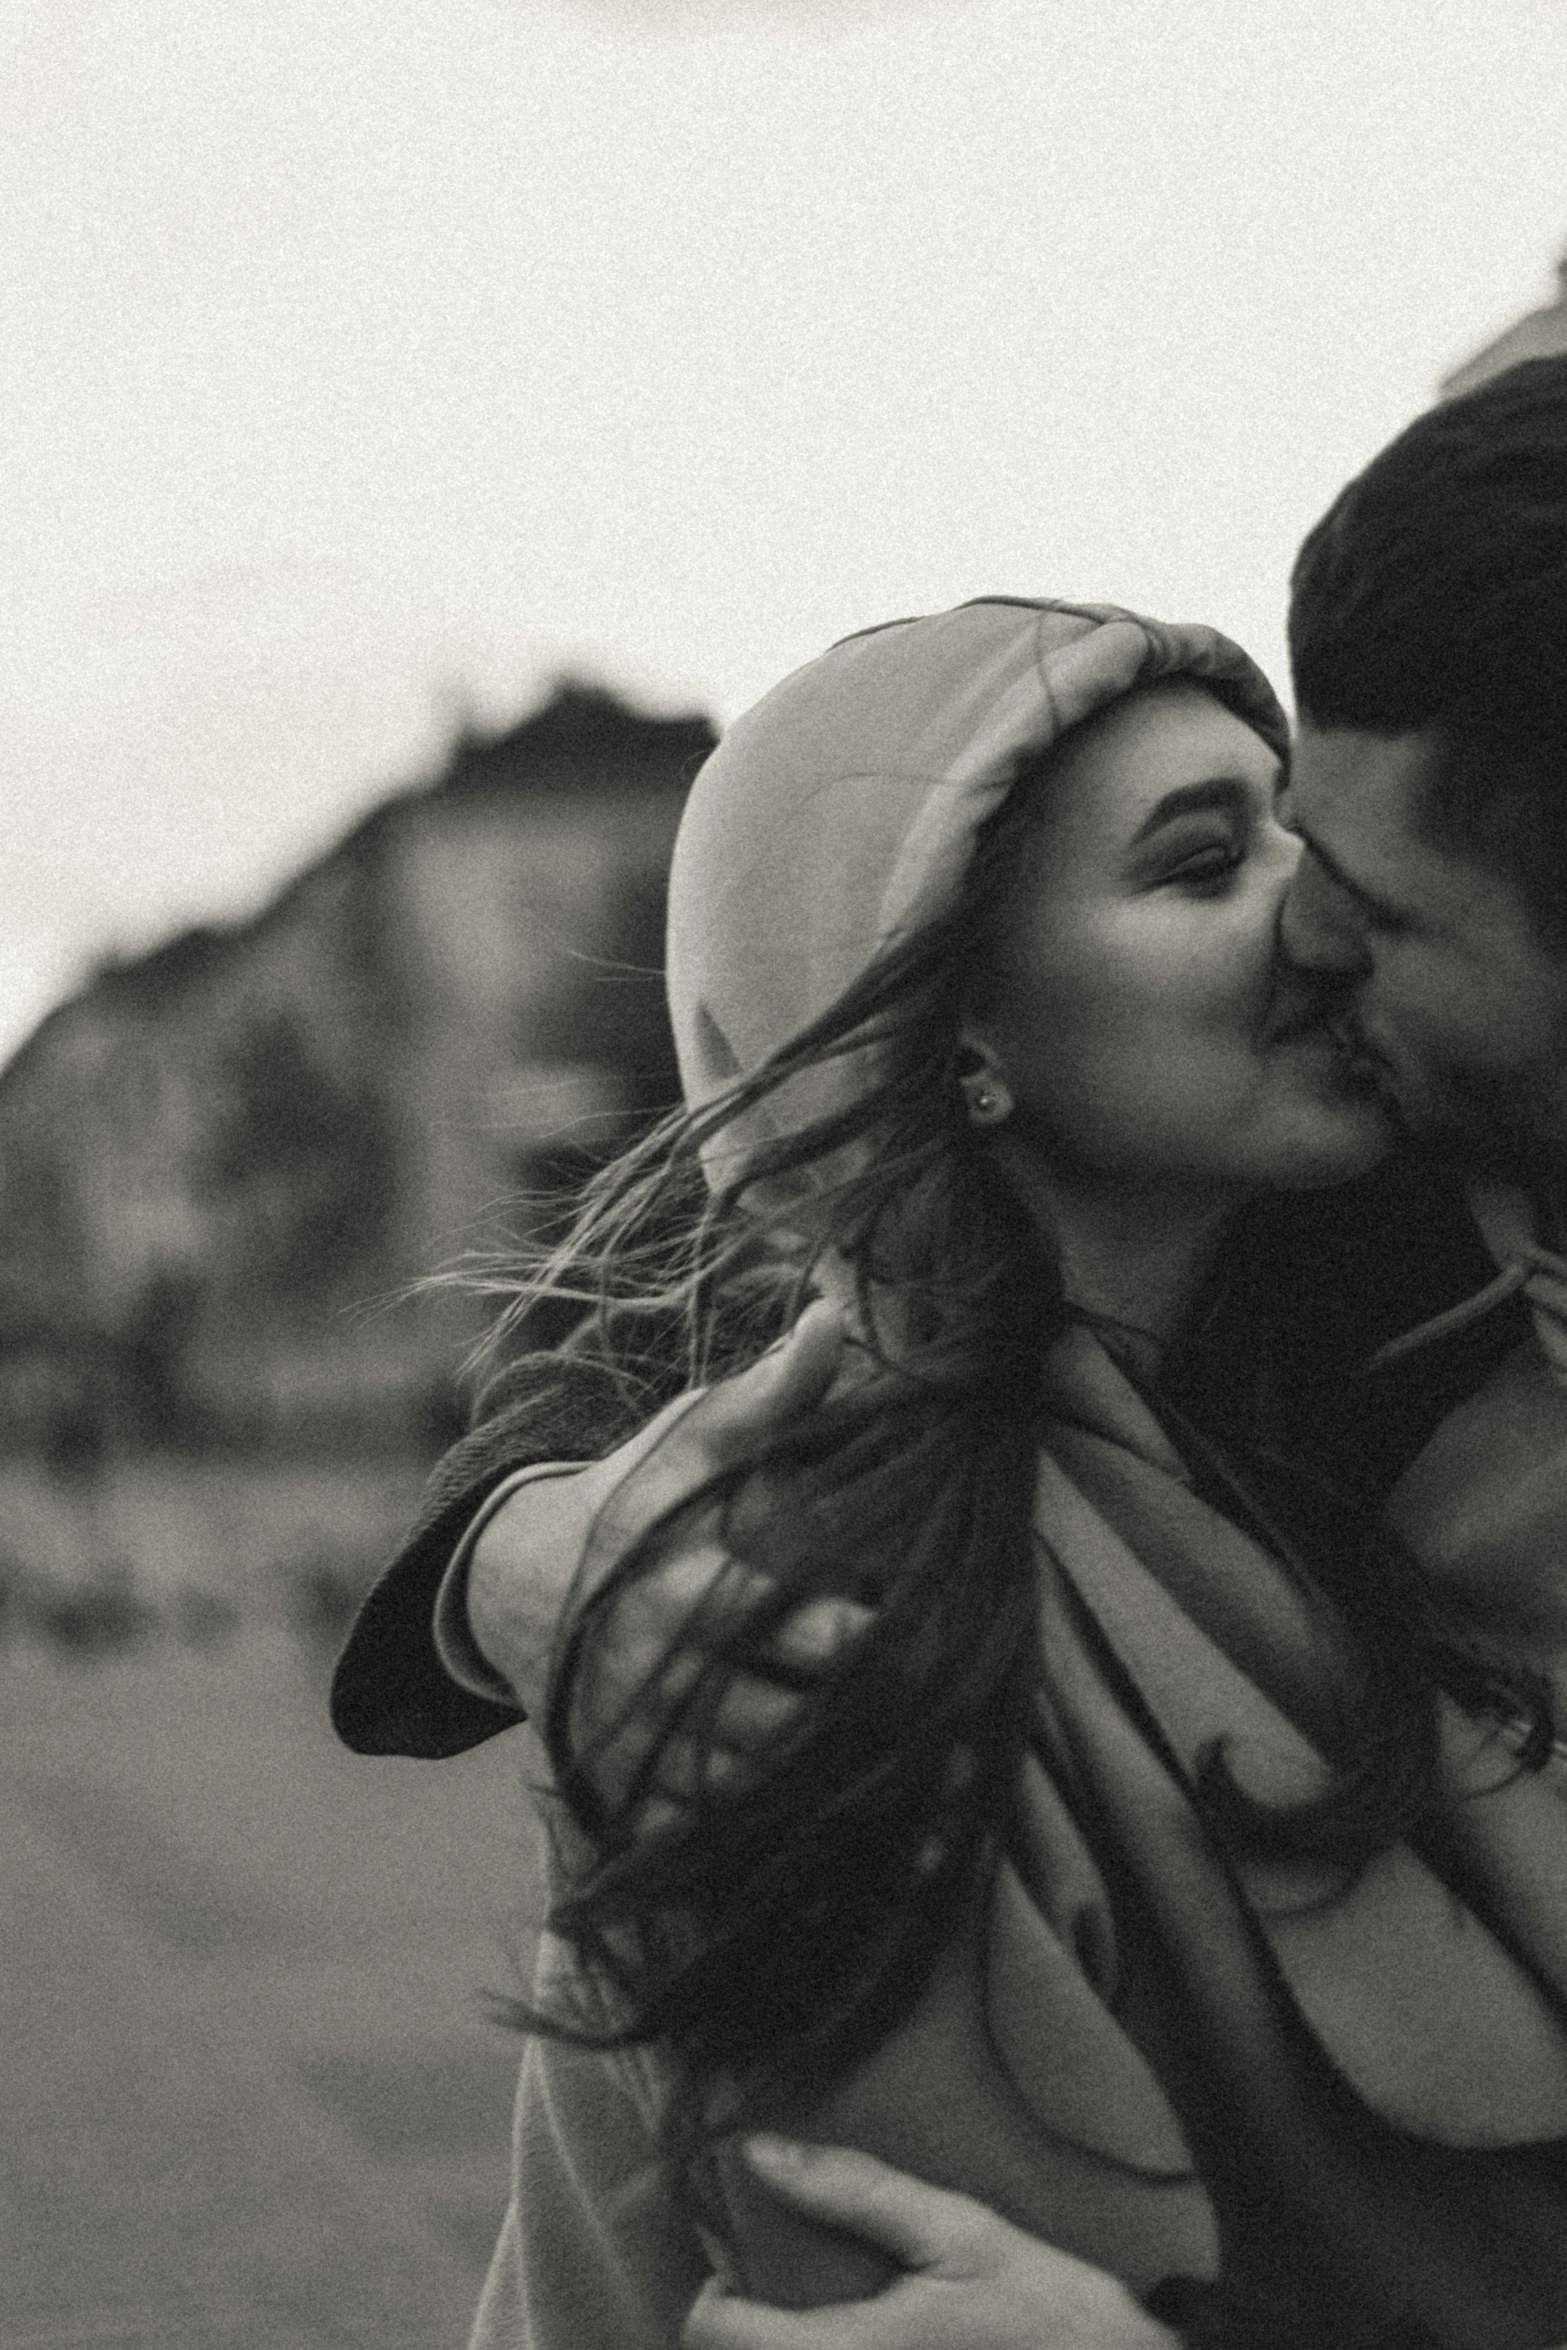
{"points": [[1207, 869]]}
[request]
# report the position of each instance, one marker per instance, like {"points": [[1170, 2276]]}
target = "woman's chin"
{"points": [[1336, 1123], [1334, 1144]]}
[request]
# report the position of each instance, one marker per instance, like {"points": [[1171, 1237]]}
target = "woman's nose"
{"points": [[1319, 925]]}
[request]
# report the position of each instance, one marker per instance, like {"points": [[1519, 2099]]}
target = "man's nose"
{"points": [[1319, 924]]}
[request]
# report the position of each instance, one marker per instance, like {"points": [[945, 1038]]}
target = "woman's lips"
{"points": [[1291, 1021], [1313, 1018], [1360, 1067], [1354, 1068], [1349, 1041]]}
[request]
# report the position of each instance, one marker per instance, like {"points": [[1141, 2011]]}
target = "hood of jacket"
{"points": [[839, 814]]}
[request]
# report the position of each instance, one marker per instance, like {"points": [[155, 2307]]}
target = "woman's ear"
{"points": [[987, 1097]]}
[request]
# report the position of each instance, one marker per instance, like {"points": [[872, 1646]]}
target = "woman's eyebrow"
{"points": [[1227, 793]]}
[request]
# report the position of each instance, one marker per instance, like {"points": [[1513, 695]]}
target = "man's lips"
{"points": [[1335, 1029], [1316, 1012], [1349, 1040], [1362, 1068], [1297, 1020]]}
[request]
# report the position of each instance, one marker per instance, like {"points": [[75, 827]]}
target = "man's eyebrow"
{"points": [[1383, 908], [1224, 792]]}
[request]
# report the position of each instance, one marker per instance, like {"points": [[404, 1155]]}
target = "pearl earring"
{"points": [[987, 1104]]}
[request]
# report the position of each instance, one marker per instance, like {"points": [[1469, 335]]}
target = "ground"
{"points": [[252, 2097]]}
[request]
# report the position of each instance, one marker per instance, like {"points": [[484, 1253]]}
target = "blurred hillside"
{"points": [[219, 1161]]}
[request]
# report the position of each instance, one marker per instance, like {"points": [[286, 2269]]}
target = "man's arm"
{"points": [[390, 1692], [988, 2285], [552, 1542]]}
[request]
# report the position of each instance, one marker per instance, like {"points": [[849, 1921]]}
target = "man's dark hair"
{"points": [[1433, 595]]}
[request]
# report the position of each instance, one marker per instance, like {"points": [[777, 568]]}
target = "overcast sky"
{"points": [[363, 360]]}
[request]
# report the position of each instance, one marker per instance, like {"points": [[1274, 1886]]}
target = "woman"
{"points": [[1123, 1875]]}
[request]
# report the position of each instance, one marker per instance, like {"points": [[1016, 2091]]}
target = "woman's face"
{"points": [[1139, 1015]]}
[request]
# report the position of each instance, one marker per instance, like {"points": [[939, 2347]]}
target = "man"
{"points": [[1428, 642], [1429, 645]]}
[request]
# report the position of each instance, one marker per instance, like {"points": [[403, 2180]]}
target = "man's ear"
{"points": [[987, 1097]]}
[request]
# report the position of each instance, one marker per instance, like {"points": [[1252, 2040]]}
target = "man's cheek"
{"points": [[1420, 1026]]}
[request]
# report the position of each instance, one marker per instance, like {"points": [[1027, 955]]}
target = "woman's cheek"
{"points": [[1206, 968]]}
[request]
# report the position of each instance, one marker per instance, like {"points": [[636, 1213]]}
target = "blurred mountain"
{"points": [[220, 1160]]}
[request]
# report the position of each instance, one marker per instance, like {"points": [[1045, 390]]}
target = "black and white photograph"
{"points": [[783, 1175]]}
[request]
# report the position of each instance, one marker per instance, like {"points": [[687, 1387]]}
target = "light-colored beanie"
{"points": [[839, 814]]}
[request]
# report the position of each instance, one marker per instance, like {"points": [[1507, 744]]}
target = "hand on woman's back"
{"points": [[555, 1543], [971, 2280]]}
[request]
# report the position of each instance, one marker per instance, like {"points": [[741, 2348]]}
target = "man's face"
{"points": [[1458, 1005]]}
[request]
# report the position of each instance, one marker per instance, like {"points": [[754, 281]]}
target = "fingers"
{"points": [[752, 1715], [717, 2321], [815, 1635], [638, 1671], [705, 1764], [792, 1377], [648, 1649], [923, 2227], [969, 2276], [696, 1595], [698, 1436], [632, 1677], [639, 1662], [919, 2313]]}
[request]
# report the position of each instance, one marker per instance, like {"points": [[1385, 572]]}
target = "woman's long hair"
{"points": [[771, 1933], [777, 1930]]}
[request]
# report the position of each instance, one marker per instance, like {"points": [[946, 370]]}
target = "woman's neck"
{"points": [[1134, 1254]]}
